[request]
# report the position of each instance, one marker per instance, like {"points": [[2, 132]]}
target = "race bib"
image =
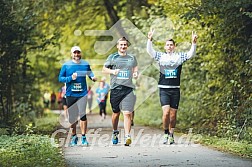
{"points": [[171, 73], [123, 74], [76, 87]]}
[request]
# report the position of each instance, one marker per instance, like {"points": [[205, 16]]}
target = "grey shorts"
{"points": [[122, 98], [76, 108]]}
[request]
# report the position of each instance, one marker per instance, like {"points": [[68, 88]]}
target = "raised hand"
{"points": [[194, 37], [150, 33]]}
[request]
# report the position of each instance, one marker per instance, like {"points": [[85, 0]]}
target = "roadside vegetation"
{"points": [[240, 148], [33, 147]]}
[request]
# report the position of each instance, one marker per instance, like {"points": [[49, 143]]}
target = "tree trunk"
{"points": [[111, 11], [115, 18]]}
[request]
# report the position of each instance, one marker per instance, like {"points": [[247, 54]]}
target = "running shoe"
{"points": [[171, 139], [115, 137], [84, 141], [165, 138], [127, 140], [74, 141]]}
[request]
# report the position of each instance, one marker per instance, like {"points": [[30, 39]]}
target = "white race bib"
{"points": [[76, 87]]}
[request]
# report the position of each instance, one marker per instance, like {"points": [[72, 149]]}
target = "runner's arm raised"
{"points": [[192, 51], [150, 49]]}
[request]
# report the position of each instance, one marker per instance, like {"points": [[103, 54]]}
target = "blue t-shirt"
{"points": [[102, 92], [106, 86], [78, 87]]}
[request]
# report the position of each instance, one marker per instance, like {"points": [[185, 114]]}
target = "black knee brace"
{"points": [[84, 118]]}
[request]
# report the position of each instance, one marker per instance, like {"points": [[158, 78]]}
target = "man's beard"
{"points": [[77, 58]]}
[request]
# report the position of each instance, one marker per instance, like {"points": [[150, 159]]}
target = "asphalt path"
{"points": [[146, 149]]}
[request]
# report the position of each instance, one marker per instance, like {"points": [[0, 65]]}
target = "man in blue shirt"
{"points": [[74, 73]]}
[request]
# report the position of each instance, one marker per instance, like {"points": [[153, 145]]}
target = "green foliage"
{"points": [[224, 93], [29, 150], [47, 124], [149, 113], [12, 67], [243, 148]]}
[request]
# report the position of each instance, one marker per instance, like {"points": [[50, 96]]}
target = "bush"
{"points": [[47, 124], [29, 150]]}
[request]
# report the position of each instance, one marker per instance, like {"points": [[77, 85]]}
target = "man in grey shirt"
{"points": [[122, 67]]}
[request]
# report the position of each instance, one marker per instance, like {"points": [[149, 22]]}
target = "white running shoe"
{"points": [[165, 138], [127, 140]]}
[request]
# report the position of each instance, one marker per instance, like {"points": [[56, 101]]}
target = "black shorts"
{"points": [[122, 99], [76, 107], [64, 102], [169, 96]]}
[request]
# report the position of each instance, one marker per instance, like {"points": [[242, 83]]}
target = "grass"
{"points": [[34, 148], [46, 124], [29, 150], [241, 148]]}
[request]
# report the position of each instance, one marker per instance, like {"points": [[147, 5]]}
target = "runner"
{"points": [[46, 99], [74, 73], [170, 63], [53, 98], [101, 93], [90, 99], [64, 103], [122, 67], [103, 79]]}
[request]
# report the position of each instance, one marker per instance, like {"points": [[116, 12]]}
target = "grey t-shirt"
{"points": [[125, 65]]}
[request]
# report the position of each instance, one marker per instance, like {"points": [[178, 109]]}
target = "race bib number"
{"points": [[171, 73], [123, 74], [76, 87]]}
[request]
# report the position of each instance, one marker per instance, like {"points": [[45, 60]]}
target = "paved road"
{"points": [[146, 150]]}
